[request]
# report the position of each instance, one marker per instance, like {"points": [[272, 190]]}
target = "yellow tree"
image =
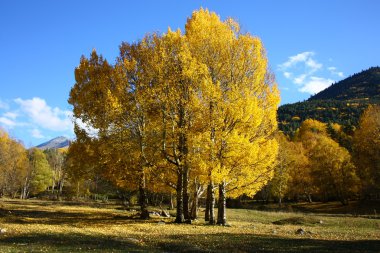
{"points": [[83, 160], [332, 172], [179, 78], [135, 124], [13, 165], [286, 161], [300, 181], [112, 100], [239, 102], [367, 151]]}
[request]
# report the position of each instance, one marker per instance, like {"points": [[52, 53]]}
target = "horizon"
{"points": [[309, 47]]}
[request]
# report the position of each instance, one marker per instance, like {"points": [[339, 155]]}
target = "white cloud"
{"points": [[44, 116], [37, 134], [11, 115], [293, 60], [316, 84], [301, 70], [7, 122], [334, 71], [304, 60], [287, 74], [93, 132], [299, 79], [331, 69], [313, 65]]}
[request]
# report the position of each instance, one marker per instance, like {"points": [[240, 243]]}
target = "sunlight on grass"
{"points": [[55, 227]]}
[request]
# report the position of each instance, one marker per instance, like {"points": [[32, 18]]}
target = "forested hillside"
{"points": [[341, 103]]}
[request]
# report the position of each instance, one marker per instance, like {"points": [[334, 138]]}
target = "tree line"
{"points": [[29, 172], [322, 162]]}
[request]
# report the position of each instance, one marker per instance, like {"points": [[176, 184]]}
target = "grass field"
{"points": [[46, 226]]}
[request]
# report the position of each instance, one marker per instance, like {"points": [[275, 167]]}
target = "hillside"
{"points": [[360, 86], [342, 102], [56, 143]]}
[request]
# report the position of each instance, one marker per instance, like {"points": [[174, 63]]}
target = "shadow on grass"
{"points": [[182, 243], [70, 243], [256, 243], [30, 216]]}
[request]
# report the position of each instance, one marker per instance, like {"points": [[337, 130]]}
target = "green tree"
{"points": [[39, 175], [57, 159]]}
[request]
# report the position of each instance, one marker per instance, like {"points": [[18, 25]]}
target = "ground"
{"points": [[48, 226]]}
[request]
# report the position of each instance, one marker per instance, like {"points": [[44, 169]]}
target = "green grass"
{"points": [[45, 226]]}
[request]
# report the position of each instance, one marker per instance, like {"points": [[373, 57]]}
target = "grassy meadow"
{"points": [[47, 226]]}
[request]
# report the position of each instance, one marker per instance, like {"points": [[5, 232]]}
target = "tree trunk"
{"points": [[142, 196], [185, 186], [171, 207], [77, 190], [309, 198], [179, 216], [208, 203], [222, 216], [212, 204], [194, 206]]}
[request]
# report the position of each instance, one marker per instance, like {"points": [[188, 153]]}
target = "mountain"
{"points": [[342, 102], [58, 142], [364, 85]]}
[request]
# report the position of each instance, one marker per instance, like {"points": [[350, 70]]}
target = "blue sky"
{"points": [[309, 44]]}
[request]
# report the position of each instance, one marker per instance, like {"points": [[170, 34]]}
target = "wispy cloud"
{"points": [[44, 116], [294, 60], [10, 115], [316, 84], [304, 71], [7, 122], [334, 71], [36, 133]]}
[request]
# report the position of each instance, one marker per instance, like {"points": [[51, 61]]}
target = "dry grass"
{"points": [[35, 226]]}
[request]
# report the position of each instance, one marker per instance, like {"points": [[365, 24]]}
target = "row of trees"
{"points": [[188, 112], [326, 163], [28, 172]]}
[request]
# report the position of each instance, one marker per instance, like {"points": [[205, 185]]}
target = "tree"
{"points": [[367, 151], [13, 165], [332, 171], [239, 100], [179, 78], [300, 178], [286, 161], [207, 116], [56, 159], [39, 175]]}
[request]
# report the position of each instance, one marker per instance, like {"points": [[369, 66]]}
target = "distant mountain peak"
{"points": [[58, 142]]}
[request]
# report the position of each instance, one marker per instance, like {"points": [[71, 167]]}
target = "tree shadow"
{"points": [[72, 243], [257, 243], [30, 216]]}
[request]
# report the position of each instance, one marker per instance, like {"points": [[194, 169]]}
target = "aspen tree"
{"points": [[240, 102]]}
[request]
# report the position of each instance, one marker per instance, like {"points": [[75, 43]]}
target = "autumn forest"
{"points": [[188, 120]]}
